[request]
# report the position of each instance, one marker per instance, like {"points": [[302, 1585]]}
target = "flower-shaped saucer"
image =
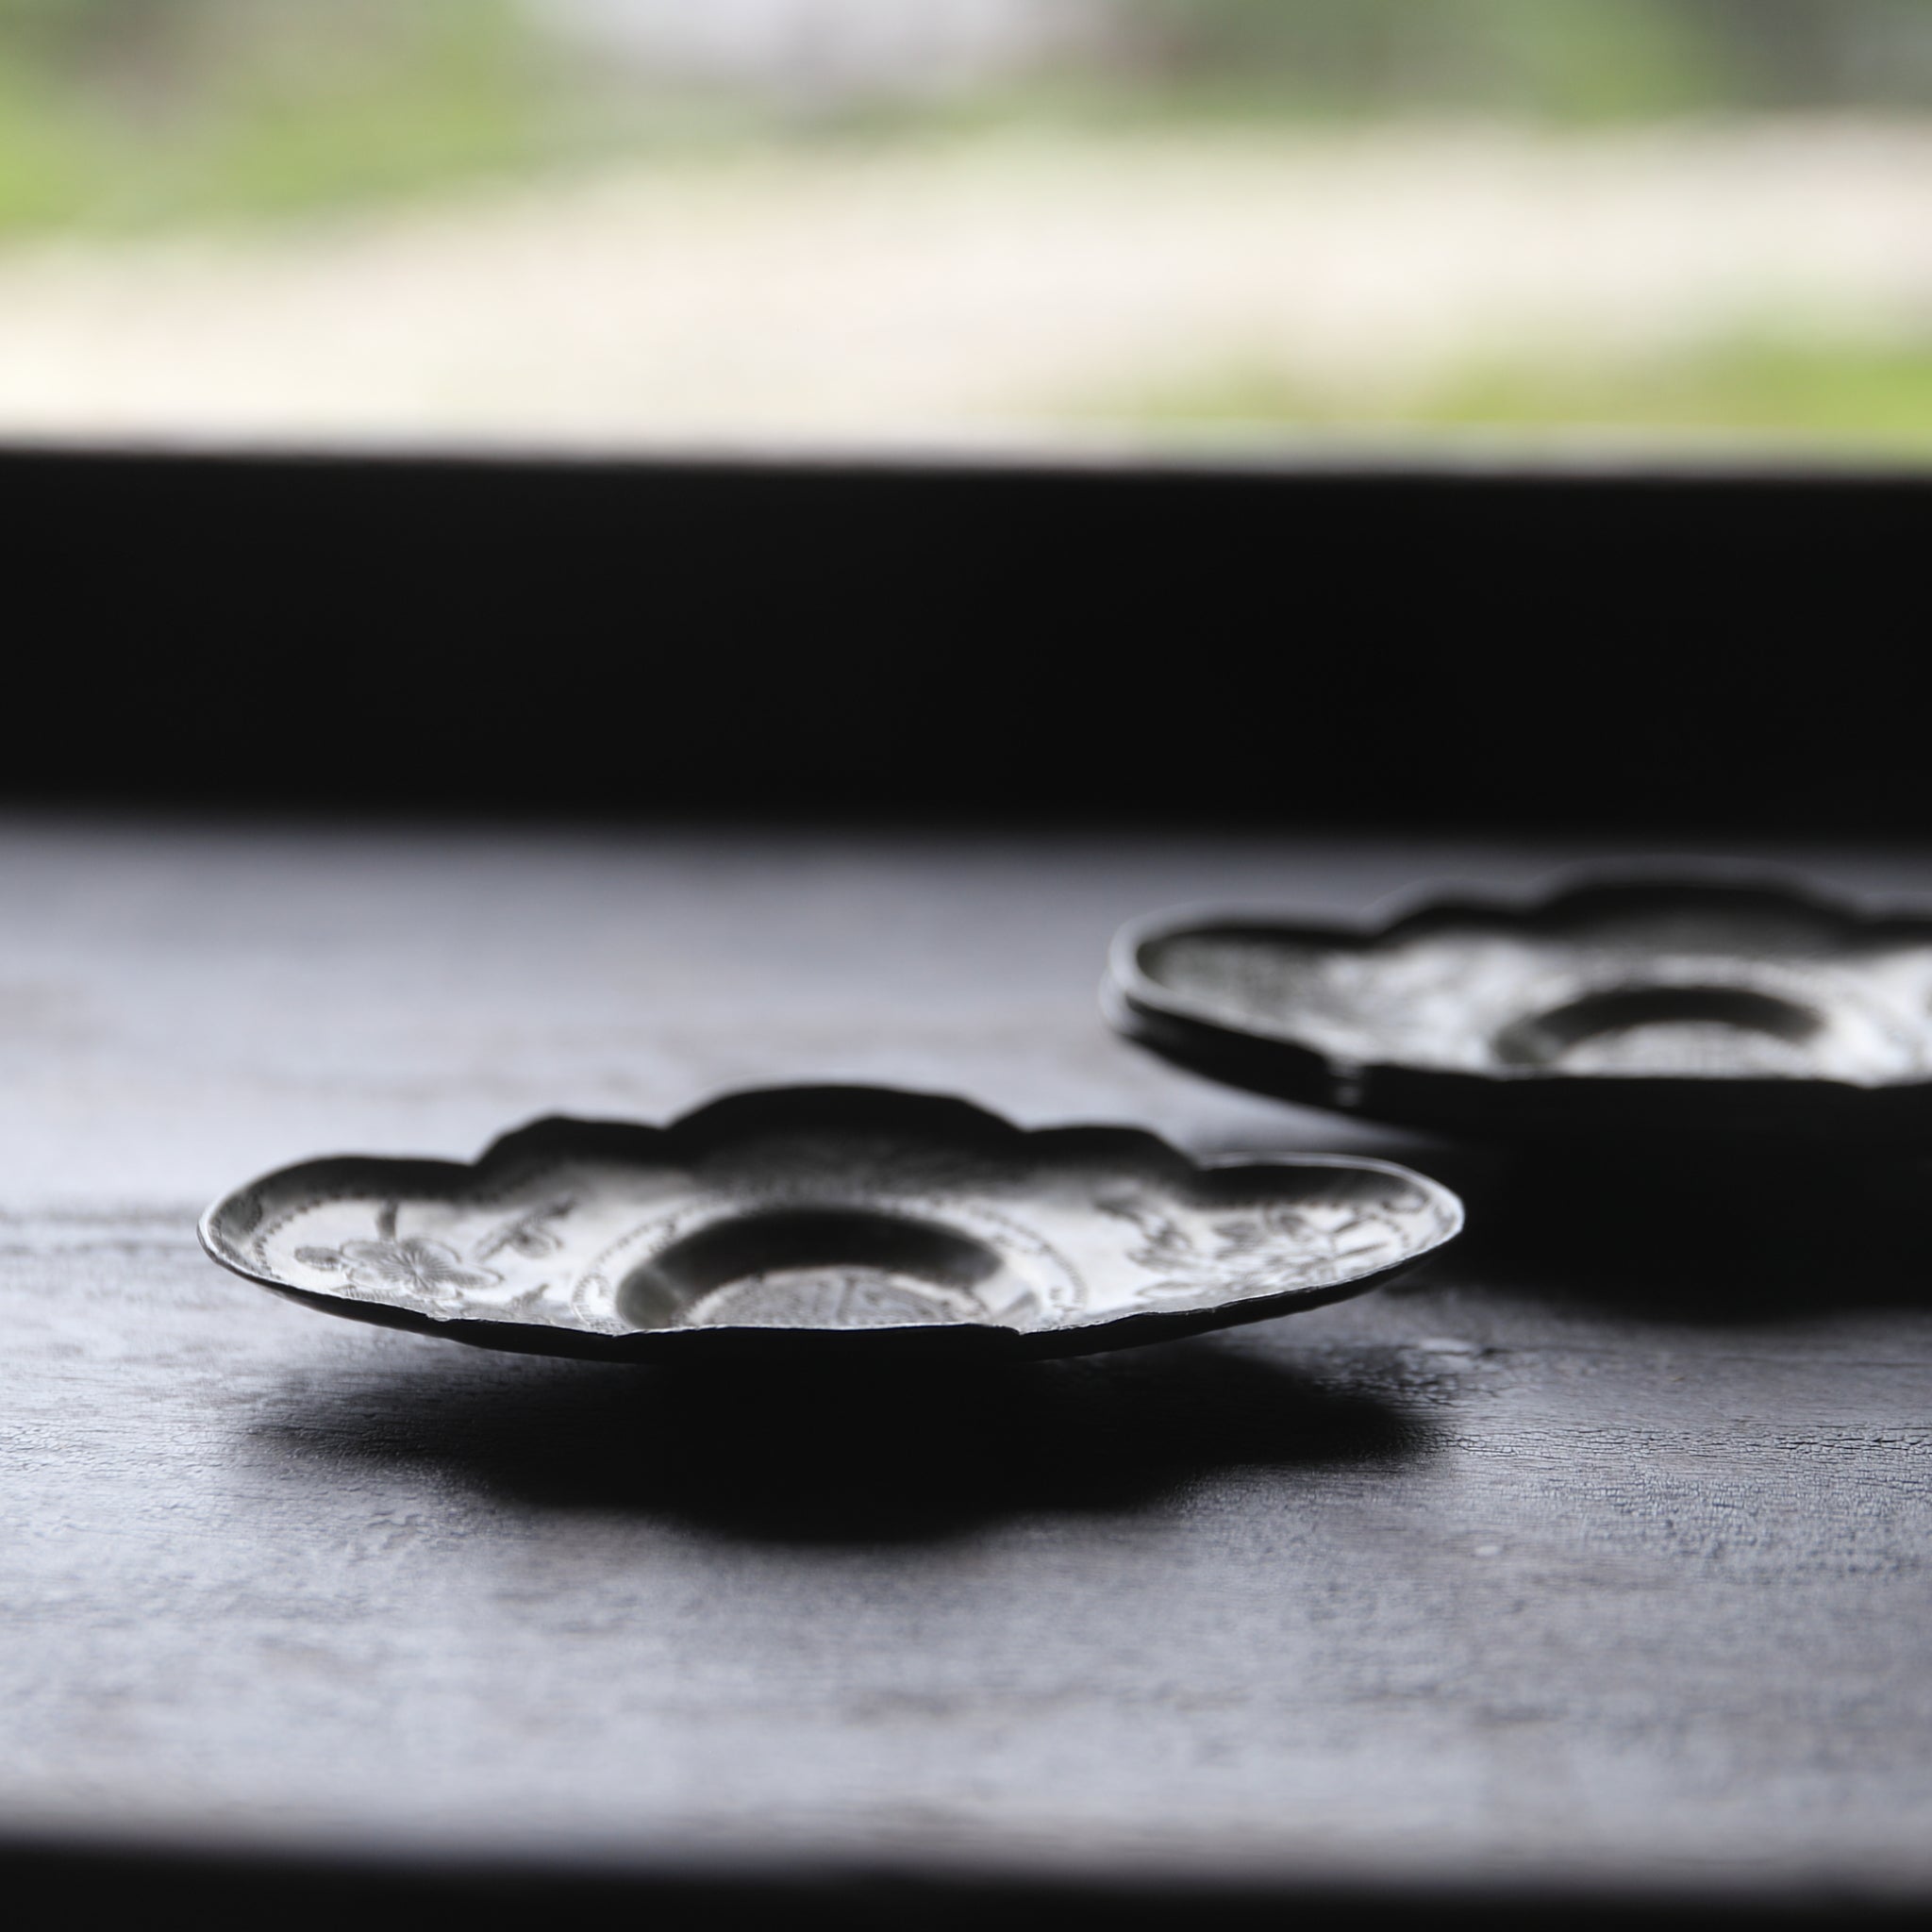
{"points": [[1677, 1007], [829, 1217]]}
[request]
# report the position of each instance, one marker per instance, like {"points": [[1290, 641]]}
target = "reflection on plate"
{"points": [[826, 1216]]}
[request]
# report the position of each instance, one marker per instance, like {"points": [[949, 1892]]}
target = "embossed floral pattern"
{"points": [[1276, 1247], [416, 1265], [821, 1211], [532, 1235]]}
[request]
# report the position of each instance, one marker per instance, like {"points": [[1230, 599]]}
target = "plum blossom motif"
{"points": [[418, 1266], [1273, 1248]]}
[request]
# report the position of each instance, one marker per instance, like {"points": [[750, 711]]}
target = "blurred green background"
{"points": [[122, 120], [144, 111]]}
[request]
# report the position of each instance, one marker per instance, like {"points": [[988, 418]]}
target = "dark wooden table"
{"points": [[1591, 1565]]}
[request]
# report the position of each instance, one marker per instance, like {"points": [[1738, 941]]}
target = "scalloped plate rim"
{"points": [[1135, 1328], [1188, 1031]]}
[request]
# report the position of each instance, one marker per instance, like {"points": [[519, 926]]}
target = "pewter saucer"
{"points": [[1673, 1007], [834, 1217]]}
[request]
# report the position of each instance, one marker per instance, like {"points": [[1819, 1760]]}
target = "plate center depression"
{"points": [[837, 1268], [1668, 1029]]}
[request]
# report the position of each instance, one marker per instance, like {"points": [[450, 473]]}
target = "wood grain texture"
{"points": [[1596, 1556]]}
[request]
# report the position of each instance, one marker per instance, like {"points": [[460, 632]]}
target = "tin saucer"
{"points": [[1676, 1007], [825, 1218]]}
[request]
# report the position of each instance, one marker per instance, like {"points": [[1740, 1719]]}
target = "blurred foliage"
{"points": [[1567, 58], [132, 111], [136, 111], [123, 114], [1764, 384]]}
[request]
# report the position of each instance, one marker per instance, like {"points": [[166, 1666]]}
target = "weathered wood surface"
{"points": [[1596, 1555]]}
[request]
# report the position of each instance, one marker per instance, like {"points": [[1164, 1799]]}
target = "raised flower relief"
{"points": [[421, 1268], [533, 1235], [434, 1274], [1272, 1247]]}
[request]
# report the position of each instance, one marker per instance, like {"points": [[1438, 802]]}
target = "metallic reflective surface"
{"points": [[842, 1215], [1676, 1006]]}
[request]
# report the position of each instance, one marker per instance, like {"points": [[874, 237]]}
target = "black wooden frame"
{"points": [[970, 641]]}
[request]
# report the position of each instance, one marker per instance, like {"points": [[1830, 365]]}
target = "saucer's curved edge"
{"points": [[983, 1340], [1276, 1067], [1554, 902], [961, 1341], [1282, 1066]]}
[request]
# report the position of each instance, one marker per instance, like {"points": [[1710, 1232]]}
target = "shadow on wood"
{"points": [[1700, 1241], [846, 1458]]}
